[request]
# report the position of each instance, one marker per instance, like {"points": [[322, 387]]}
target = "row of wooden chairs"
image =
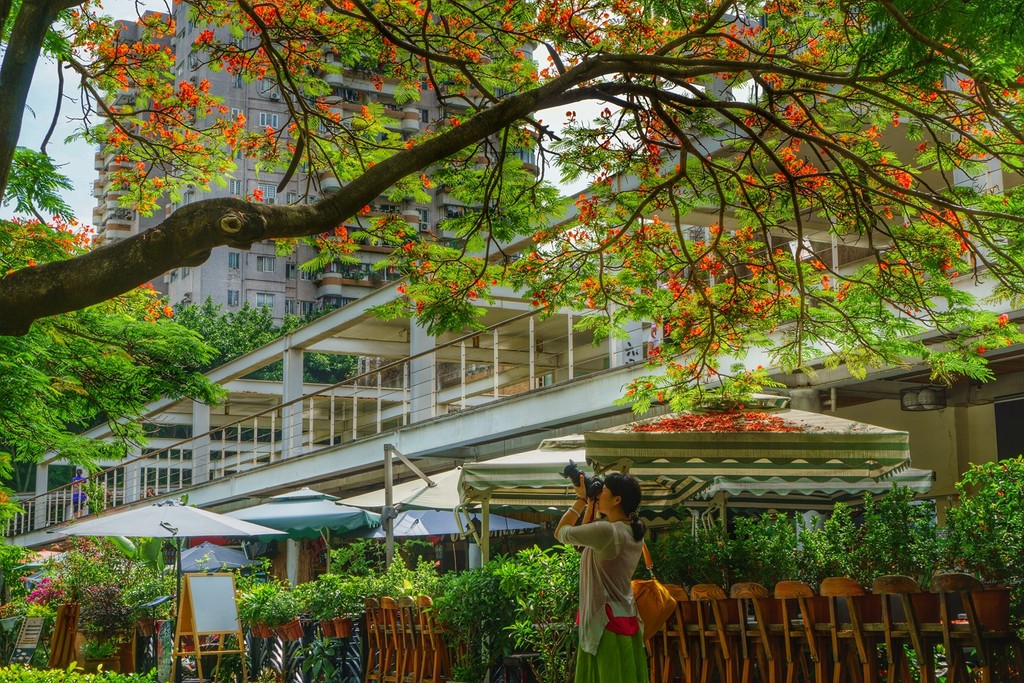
{"points": [[793, 635], [404, 643]]}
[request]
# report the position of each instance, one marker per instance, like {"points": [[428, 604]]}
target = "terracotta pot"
{"points": [[343, 627], [993, 606], [91, 666], [926, 607], [327, 627], [261, 630], [290, 631]]}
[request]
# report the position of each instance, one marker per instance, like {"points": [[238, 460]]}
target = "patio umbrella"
{"points": [[212, 557], [442, 523], [166, 519], [415, 494], [307, 514]]}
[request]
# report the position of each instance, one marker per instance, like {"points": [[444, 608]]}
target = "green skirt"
{"points": [[619, 659]]}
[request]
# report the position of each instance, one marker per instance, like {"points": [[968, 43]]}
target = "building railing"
{"points": [[515, 356]]}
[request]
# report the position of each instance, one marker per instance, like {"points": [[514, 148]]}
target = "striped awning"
{"points": [[534, 481], [838, 487], [824, 445]]}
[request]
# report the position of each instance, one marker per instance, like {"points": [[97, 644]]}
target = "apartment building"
{"points": [[260, 277]]}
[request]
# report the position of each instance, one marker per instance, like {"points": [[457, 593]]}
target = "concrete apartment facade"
{"points": [[231, 277]]}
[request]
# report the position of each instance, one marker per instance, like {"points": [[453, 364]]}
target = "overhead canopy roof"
{"points": [[823, 446]]}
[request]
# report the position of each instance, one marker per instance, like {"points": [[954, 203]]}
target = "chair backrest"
{"points": [[407, 621], [950, 585], [389, 610], [374, 623], [748, 590]]}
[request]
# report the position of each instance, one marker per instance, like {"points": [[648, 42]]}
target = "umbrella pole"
{"points": [[178, 674]]}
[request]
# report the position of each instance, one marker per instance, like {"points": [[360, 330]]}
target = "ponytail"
{"points": [[639, 528]]}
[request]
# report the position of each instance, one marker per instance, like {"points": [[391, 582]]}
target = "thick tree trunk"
{"points": [[188, 235]]}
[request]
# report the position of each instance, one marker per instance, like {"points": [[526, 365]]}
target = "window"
{"points": [[291, 197], [238, 81], [233, 296], [235, 111], [306, 307], [306, 275], [234, 259], [289, 306], [269, 193], [266, 264], [289, 271], [235, 187], [267, 119], [424, 116], [185, 271], [265, 299]]}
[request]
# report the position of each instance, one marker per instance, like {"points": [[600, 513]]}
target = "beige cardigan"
{"points": [[610, 556]]}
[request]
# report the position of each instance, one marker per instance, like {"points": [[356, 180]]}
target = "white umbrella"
{"points": [[166, 519]]}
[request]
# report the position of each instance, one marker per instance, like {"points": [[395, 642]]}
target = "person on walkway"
{"points": [[611, 646], [78, 495]]}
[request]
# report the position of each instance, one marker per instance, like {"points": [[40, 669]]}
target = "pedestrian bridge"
{"points": [[440, 401]]}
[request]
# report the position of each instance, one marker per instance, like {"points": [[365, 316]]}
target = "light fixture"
{"points": [[923, 398]]}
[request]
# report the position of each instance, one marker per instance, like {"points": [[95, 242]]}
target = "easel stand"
{"points": [[208, 608]]}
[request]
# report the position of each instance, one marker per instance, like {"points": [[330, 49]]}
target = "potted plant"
{"points": [[544, 585], [826, 549], [105, 619], [985, 536], [476, 613], [101, 653], [281, 613], [763, 550], [321, 599], [252, 605]]}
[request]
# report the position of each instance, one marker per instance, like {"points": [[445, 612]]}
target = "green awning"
{"points": [[824, 444], [838, 487], [306, 514]]}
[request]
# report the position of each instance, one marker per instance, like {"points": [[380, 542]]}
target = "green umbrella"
{"points": [[307, 514]]}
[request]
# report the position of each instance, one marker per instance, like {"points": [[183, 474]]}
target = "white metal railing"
{"points": [[517, 355]]}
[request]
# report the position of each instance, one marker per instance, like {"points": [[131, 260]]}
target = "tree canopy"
{"points": [[813, 177]]}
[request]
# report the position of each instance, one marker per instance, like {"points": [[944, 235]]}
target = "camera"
{"points": [[593, 485]]}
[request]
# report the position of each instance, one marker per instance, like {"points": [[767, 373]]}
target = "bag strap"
{"points": [[648, 560]]}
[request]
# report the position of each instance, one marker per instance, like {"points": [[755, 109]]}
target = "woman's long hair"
{"points": [[628, 489]]}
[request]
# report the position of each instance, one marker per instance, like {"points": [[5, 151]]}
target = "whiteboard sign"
{"points": [[213, 605]]}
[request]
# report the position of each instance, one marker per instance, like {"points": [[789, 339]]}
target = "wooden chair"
{"points": [[375, 642], [718, 626], [393, 649], [674, 651], [757, 644], [902, 627], [997, 650], [410, 659], [805, 646], [854, 655], [435, 659]]}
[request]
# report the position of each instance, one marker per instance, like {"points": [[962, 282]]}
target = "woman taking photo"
{"points": [[611, 646]]}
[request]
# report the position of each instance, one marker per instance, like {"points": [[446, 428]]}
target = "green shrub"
{"points": [[763, 549], [688, 558], [22, 674]]}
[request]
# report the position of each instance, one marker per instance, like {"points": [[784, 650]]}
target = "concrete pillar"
{"points": [[806, 399], [200, 446], [133, 488], [422, 375], [291, 416], [291, 561], [39, 511]]}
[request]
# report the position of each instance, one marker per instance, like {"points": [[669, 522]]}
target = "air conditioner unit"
{"points": [[274, 95]]}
